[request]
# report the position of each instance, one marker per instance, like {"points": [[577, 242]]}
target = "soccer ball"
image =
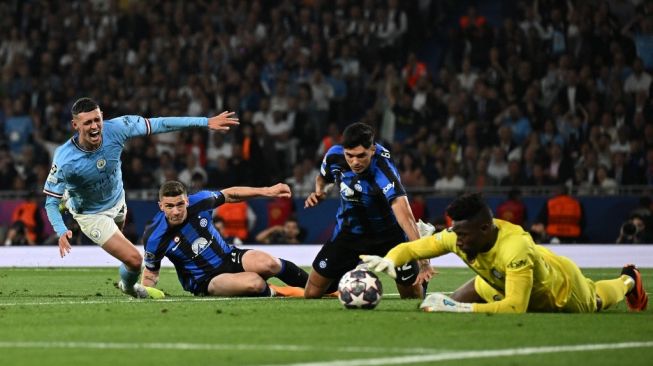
{"points": [[360, 289]]}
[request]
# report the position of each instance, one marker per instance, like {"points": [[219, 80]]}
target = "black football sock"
{"points": [[292, 275], [333, 287]]}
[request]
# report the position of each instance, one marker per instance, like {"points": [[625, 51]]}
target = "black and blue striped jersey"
{"points": [[195, 247], [365, 199]]}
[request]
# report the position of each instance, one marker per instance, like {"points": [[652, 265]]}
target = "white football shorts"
{"points": [[100, 226]]}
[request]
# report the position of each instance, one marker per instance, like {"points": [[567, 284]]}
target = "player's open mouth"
{"points": [[94, 135]]}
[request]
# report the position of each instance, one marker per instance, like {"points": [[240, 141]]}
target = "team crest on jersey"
{"points": [[199, 245], [100, 164], [496, 273], [204, 222]]}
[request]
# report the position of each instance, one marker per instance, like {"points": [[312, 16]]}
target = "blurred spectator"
{"points": [[639, 80], [451, 181], [288, 233], [513, 209], [18, 125], [218, 222], [413, 71], [561, 219], [410, 171], [498, 167], [300, 183], [561, 168], [636, 230], [26, 223], [605, 184], [419, 207], [238, 218], [471, 19], [515, 177], [192, 167], [331, 138]]}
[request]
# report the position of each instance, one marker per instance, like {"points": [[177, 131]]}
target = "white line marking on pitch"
{"points": [[136, 301], [463, 355], [213, 347]]}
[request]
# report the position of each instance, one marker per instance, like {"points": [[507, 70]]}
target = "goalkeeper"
{"points": [[514, 275]]}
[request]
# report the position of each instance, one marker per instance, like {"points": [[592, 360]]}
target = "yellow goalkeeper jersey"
{"points": [[529, 276]]}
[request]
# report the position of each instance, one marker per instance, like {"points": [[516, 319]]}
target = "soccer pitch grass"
{"points": [[75, 316]]}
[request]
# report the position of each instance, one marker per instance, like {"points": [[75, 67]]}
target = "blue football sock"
{"points": [[292, 275], [127, 276]]}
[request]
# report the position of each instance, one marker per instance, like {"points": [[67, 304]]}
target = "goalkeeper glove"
{"points": [[380, 264], [425, 229], [439, 302]]}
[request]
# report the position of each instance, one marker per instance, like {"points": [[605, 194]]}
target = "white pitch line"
{"points": [[214, 347], [463, 355], [134, 301]]}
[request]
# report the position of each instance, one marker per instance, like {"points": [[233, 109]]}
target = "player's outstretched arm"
{"points": [[237, 194], [223, 121]]}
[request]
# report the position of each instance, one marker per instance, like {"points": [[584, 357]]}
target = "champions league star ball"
{"points": [[360, 289]]}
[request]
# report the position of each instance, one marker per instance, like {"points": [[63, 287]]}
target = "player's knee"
{"points": [[256, 285], [271, 266]]}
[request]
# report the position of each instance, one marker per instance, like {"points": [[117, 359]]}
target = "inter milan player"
{"points": [[374, 214], [184, 232]]}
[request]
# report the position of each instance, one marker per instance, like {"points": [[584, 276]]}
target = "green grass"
{"points": [[68, 317]]}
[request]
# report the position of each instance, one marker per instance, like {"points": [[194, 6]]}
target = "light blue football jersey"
{"points": [[93, 179]]}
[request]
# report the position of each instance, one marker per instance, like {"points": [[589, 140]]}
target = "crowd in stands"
{"points": [[554, 92]]}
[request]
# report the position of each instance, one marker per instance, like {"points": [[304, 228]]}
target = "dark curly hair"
{"points": [[467, 207]]}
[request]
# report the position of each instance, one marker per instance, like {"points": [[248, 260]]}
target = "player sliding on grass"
{"points": [[514, 275], [88, 167], [374, 214], [184, 232]]}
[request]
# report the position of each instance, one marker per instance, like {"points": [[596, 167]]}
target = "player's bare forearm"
{"points": [[150, 278], [238, 194], [405, 217], [321, 190]]}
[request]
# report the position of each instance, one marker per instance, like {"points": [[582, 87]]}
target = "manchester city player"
{"points": [[87, 167], [514, 275], [374, 214], [184, 232]]}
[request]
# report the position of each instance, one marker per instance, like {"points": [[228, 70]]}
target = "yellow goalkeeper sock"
{"points": [[612, 292]]}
